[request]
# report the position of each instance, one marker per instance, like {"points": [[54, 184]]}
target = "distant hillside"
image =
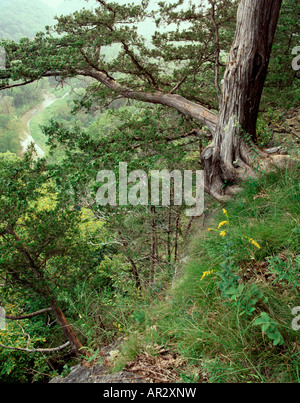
{"points": [[21, 18]]}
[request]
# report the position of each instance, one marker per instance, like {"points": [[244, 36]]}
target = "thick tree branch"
{"points": [[183, 105]]}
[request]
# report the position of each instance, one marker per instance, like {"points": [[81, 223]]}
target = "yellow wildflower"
{"points": [[254, 243], [222, 223], [224, 211], [223, 233], [206, 273]]}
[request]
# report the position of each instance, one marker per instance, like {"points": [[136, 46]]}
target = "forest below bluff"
{"points": [[210, 85]]}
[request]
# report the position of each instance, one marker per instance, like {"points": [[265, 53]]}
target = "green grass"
{"points": [[208, 329]]}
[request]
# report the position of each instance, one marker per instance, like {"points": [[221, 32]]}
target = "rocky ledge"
{"points": [[96, 374]]}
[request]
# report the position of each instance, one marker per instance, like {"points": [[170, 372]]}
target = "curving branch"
{"points": [[175, 101], [29, 315], [37, 350]]}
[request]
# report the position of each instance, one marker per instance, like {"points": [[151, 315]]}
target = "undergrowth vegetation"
{"points": [[230, 314]]}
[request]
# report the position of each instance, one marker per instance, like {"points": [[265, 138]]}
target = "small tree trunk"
{"points": [[229, 156], [169, 234], [67, 330], [176, 237], [154, 246], [135, 271]]}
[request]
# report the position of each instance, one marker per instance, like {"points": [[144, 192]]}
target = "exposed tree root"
{"points": [[263, 163]]}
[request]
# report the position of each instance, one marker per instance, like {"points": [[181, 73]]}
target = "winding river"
{"points": [[27, 139]]}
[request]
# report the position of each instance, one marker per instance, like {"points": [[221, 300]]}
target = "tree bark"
{"points": [[67, 330], [154, 245], [176, 236], [232, 151]]}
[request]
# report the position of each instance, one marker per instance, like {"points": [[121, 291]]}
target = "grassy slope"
{"points": [[211, 332]]}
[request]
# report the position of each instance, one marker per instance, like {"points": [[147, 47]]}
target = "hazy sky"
{"points": [[52, 3], [70, 3]]}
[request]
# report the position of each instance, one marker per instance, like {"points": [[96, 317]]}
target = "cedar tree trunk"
{"points": [[233, 149]]}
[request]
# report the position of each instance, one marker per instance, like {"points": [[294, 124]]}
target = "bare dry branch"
{"points": [[29, 315], [37, 350]]}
